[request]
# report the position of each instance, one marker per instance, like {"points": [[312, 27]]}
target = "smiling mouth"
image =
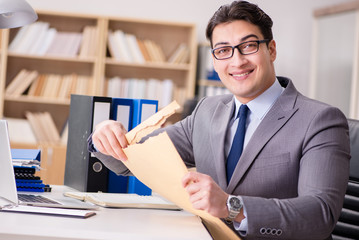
{"points": [[242, 74]]}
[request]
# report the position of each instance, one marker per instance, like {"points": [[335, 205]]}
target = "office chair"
{"points": [[347, 227]]}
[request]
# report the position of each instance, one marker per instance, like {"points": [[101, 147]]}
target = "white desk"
{"points": [[108, 223]]}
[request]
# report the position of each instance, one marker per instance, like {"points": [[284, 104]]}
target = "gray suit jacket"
{"points": [[292, 175]]}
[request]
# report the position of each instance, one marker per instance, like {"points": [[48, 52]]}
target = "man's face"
{"points": [[246, 76]]}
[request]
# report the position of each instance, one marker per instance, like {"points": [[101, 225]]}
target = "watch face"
{"points": [[235, 203]]}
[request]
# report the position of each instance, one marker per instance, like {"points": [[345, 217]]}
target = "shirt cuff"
{"points": [[90, 145], [242, 227]]}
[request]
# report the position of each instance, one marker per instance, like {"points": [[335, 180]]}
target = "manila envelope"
{"points": [[157, 164]]}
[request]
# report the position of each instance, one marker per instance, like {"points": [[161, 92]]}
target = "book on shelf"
{"points": [[127, 47], [36, 86], [53, 84], [88, 47], [27, 38], [41, 34], [21, 82], [20, 131], [23, 131], [50, 127], [112, 46], [13, 46], [41, 39], [161, 90], [143, 50], [82, 86], [166, 96], [45, 44], [66, 44], [134, 48], [180, 55], [124, 200], [43, 127], [66, 86], [122, 47], [155, 51]]}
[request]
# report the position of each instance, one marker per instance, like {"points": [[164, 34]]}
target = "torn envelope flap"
{"points": [[152, 123]]}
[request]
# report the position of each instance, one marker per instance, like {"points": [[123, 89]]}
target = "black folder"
{"points": [[84, 171]]}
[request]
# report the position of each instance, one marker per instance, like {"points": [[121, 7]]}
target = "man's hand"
{"points": [[205, 194], [109, 138]]}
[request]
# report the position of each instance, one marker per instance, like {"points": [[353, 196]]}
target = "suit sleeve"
{"points": [[323, 175]]}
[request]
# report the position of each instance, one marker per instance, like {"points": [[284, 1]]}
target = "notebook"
{"points": [[9, 199], [124, 200]]}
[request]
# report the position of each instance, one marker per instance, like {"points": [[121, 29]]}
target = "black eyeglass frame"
{"points": [[237, 46]]}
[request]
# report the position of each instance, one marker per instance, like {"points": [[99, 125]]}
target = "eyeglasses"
{"points": [[244, 48]]}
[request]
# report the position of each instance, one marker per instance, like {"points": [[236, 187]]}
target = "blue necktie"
{"points": [[237, 144]]}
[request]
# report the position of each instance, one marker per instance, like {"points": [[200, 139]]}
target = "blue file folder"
{"points": [[29, 181], [31, 154], [130, 112]]}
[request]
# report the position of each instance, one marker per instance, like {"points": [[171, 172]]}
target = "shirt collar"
{"points": [[263, 103]]}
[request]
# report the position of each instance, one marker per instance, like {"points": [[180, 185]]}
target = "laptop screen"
{"points": [[7, 178]]}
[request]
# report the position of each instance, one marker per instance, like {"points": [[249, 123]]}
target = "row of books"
{"points": [[161, 90], [127, 47], [31, 83], [41, 39], [212, 91], [43, 127], [37, 127], [53, 86]]}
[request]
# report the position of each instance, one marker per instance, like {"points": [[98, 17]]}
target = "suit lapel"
{"points": [[219, 123], [265, 131], [275, 119]]}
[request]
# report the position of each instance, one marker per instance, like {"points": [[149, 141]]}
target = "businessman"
{"points": [[279, 168]]}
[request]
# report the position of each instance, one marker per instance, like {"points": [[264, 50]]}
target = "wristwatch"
{"points": [[234, 205]]}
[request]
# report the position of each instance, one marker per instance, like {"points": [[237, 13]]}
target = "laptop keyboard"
{"points": [[35, 198]]}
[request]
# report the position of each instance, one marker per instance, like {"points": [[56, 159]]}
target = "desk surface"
{"points": [[108, 223]]}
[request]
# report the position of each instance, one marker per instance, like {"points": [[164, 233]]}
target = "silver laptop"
{"points": [[8, 192]]}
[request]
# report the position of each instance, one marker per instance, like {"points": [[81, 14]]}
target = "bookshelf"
{"points": [[92, 65], [169, 37], [98, 67], [19, 58]]}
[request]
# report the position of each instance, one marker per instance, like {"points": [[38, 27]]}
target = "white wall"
{"points": [[292, 23]]}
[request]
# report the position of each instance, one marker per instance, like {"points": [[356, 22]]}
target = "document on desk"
{"points": [[50, 211], [123, 200], [157, 164]]}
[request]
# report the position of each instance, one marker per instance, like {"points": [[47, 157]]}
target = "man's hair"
{"points": [[241, 10]]}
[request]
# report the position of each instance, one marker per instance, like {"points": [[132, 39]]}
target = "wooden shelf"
{"points": [[38, 100], [52, 58]]}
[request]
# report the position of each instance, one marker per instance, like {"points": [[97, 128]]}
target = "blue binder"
{"points": [[130, 112]]}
